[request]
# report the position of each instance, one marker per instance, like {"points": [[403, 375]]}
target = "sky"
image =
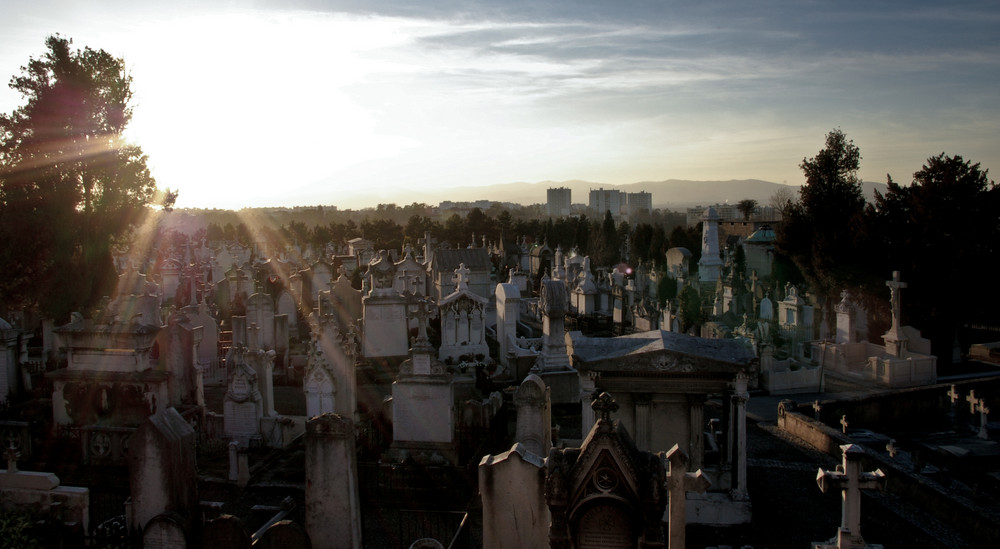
{"points": [[350, 103]]}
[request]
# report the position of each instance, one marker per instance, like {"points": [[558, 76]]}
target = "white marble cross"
{"points": [[680, 481], [850, 480], [894, 299]]}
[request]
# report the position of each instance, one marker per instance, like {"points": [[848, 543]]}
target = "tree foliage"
{"points": [[941, 231], [746, 207], [819, 231], [69, 183]]}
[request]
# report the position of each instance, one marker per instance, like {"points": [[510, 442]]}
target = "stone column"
{"points": [[740, 437], [643, 424], [587, 387], [332, 513], [696, 407]]}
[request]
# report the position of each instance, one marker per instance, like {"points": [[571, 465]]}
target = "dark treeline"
{"points": [[389, 226]]}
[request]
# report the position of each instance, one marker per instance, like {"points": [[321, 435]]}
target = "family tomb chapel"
{"points": [[661, 381]]}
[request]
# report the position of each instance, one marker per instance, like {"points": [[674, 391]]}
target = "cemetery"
{"points": [[497, 395]]}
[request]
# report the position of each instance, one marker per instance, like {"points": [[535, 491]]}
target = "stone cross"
{"points": [[953, 395], [983, 412], [850, 480], [461, 277], [894, 300], [240, 277], [604, 404], [891, 448], [973, 401], [422, 309], [844, 423], [680, 481], [11, 454], [817, 408]]}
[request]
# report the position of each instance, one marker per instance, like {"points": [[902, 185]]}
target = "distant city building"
{"points": [[558, 201], [730, 213], [606, 200], [635, 202]]}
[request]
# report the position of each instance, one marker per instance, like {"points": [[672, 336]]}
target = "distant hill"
{"points": [[672, 193]]}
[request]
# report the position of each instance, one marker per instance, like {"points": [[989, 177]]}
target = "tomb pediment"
{"points": [[661, 352]]}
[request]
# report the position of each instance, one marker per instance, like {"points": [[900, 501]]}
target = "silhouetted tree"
{"points": [[953, 209], [69, 183]]}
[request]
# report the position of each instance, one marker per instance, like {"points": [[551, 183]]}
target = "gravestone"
{"points": [[512, 487], [423, 399], [679, 482], [260, 311], [225, 532], [554, 304], [165, 531], [508, 313], [285, 305], [162, 471], [384, 313], [332, 513], [534, 416], [242, 404]]}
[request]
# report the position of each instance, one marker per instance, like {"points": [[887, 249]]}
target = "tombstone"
{"points": [[166, 531], [534, 411], [463, 330], [162, 471], [508, 314], [285, 305], [679, 483], [332, 513], [242, 405], [423, 399], [384, 314], [225, 532], [260, 311], [262, 363], [585, 292], [285, 534], [208, 349], [178, 354], [553, 306], [319, 390], [849, 480]]}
